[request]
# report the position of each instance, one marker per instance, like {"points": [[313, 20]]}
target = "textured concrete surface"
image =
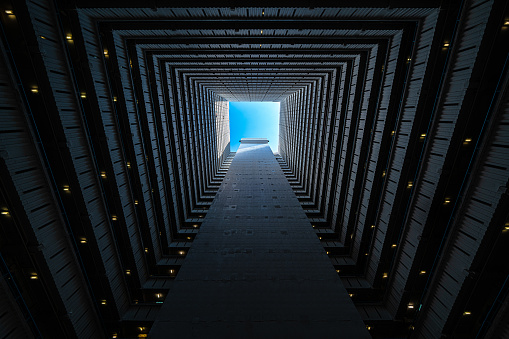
{"points": [[257, 269]]}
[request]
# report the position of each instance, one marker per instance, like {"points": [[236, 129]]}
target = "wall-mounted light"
{"points": [[338, 271], [385, 275], [103, 174], [467, 141], [83, 95], [105, 52], [422, 136], [34, 90], [172, 271], [410, 306], [351, 295], [159, 295], [114, 217], [447, 201], [146, 250], [103, 302], [422, 272], [128, 164], [128, 272], [410, 184], [34, 276], [66, 188], [83, 240], [114, 335], [467, 313], [115, 99], [392, 133], [68, 37], [42, 37], [446, 44], [368, 327], [182, 252], [9, 12], [394, 245], [142, 328], [383, 174], [505, 23], [136, 202], [506, 226], [5, 212]]}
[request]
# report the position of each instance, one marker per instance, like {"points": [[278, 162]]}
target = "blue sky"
{"points": [[254, 120]]}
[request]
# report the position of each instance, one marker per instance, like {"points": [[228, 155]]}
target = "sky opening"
{"points": [[254, 120]]}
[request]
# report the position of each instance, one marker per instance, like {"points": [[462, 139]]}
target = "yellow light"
{"points": [[34, 276], [103, 302], [83, 95], [114, 217], [128, 272], [366, 253], [383, 174], [260, 45], [42, 37], [172, 271], [34, 90], [5, 212], [128, 164], [505, 23], [188, 238], [409, 59], [261, 32], [337, 271], [105, 52], [103, 174], [467, 141], [447, 201], [68, 37], [182, 252], [422, 272], [159, 295], [9, 12], [423, 136], [66, 188], [114, 335], [83, 240], [368, 327], [385, 275], [320, 238], [351, 295], [141, 328], [446, 44], [115, 99], [394, 245], [263, 12], [392, 133], [136, 202], [314, 226], [372, 226], [142, 335], [410, 306], [467, 313], [410, 184], [146, 250], [327, 252]]}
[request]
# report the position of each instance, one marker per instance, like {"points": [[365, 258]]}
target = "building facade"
{"points": [[114, 143]]}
